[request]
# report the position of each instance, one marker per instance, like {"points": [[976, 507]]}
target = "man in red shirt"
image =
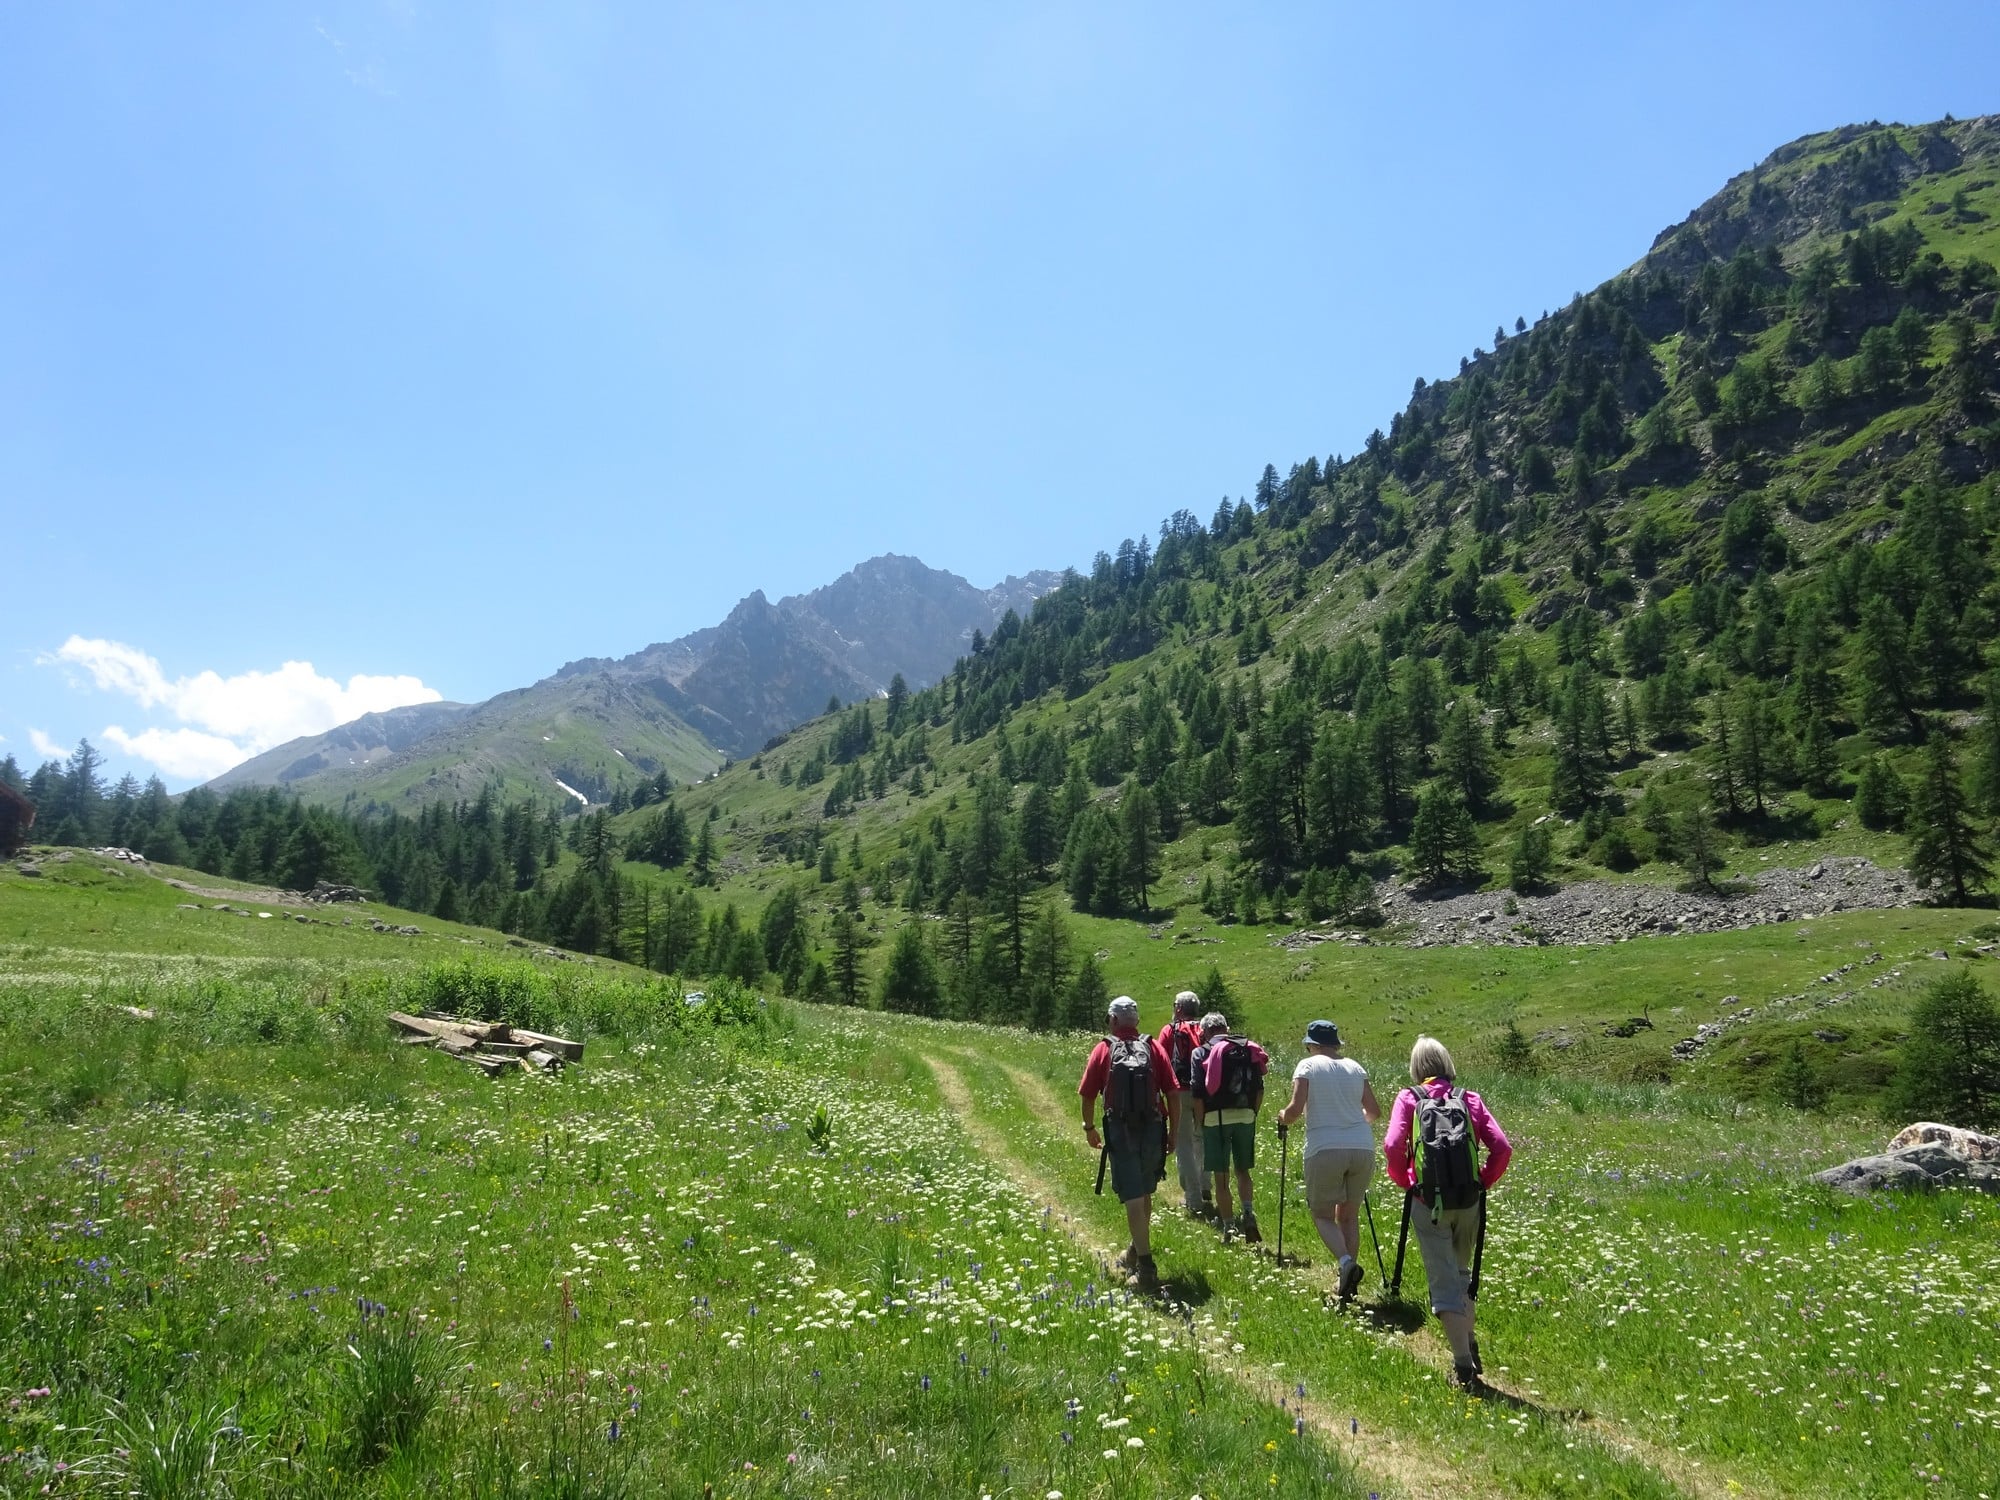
{"points": [[1135, 1078], [1179, 1037]]}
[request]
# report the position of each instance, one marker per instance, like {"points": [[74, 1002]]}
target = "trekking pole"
{"points": [[1369, 1204], [1284, 1153], [1103, 1156], [1478, 1248], [1402, 1239]]}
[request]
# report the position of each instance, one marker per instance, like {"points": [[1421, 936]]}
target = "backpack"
{"points": [[1242, 1084], [1129, 1094], [1180, 1051], [1442, 1151]]}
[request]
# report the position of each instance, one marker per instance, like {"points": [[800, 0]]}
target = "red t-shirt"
{"points": [[1097, 1072]]}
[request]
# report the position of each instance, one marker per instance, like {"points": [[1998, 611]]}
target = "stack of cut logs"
{"points": [[493, 1047]]}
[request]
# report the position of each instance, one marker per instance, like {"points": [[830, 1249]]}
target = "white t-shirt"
{"points": [[1333, 1103]]}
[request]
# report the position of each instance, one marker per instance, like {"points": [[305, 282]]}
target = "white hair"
{"points": [[1428, 1059]]}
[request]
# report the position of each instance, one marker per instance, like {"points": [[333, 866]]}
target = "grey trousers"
{"points": [[1187, 1153]]}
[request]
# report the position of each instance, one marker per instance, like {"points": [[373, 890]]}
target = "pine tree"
{"points": [[1951, 1063], [1888, 673], [1986, 748], [1880, 798], [1046, 973], [1531, 859], [1465, 758], [1141, 853], [1089, 997], [1795, 1083], [1698, 847], [910, 982], [847, 958], [1948, 854], [1514, 1054]]}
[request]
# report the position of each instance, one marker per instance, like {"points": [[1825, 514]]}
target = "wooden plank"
{"points": [[419, 1040], [561, 1046], [483, 1031], [546, 1062]]}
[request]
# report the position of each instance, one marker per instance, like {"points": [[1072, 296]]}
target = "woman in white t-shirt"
{"points": [[1333, 1094]]}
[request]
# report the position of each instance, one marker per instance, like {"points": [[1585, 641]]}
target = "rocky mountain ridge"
{"points": [[679, 707]]}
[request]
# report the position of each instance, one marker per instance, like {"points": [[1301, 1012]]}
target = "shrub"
{"points": [[393, 1381]]}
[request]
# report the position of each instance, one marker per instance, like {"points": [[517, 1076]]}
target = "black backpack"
{"points": [[1180, 1051], [1242, 1085], [1129, 1094], [1442, 1150]]}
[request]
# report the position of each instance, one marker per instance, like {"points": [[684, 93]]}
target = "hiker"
{"points": [[1338, 1102], [1180, 1037], [1141, 1105], [1430, 1151], [1229, 1072]]}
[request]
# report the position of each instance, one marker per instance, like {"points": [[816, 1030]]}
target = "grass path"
{"points": [[1426, 1345], [1381, 1459], [1409, 1440]]}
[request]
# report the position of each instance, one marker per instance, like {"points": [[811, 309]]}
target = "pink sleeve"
{"points": [[1263, 1059], [1396, 1144], [1211, 1076], [1499, 1151]]}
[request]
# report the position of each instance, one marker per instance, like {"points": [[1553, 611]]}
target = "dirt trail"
{"points": [[1413, 1469], [1426, 1346]]}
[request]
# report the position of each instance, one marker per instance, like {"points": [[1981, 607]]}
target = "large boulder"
{"points": [[1924, 1156], [1969, 1144]]}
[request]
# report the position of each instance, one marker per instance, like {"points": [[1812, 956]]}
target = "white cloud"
{"points": [[179, 752], [45, 747], [230, 719]]}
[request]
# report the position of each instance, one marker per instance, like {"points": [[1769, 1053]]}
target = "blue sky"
{"points": [[367, 350]]}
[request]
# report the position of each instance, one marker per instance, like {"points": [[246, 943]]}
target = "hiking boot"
{"points": [[1145, 1275], [1466, 1378], [1350, 1280], [1252, 1235]]}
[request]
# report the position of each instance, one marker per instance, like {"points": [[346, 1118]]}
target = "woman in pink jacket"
{"points": [[1449, 1184]]}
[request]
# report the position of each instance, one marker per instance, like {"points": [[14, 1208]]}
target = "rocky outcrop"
{"points": [[1924, 1155], [1601, 912]]}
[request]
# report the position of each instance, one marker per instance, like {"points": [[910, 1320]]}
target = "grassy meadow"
{"points": [[251, 1245]]}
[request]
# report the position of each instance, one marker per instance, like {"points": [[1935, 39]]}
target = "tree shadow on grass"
{"points": [[1188, 1288], [1398, 1314]]}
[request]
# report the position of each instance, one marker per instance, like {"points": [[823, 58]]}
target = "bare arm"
{"points": [[1297, 1107], [1369, 1108]]}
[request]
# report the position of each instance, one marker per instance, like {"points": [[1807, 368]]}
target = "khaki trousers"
{"points": [[1187, 1152]]}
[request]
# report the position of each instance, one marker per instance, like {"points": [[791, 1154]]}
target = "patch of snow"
{"points": [[571, 790], [617, 752], [546, 738]]}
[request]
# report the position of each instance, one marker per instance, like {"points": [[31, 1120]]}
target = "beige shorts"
{"points": [[1338, 1175]]}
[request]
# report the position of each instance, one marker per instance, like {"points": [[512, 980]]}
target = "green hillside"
{"points": [[1688, 581], [1690, 577], [587, 732]]}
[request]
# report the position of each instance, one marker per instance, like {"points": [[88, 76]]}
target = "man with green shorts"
{"points": [[1229, 1077]]}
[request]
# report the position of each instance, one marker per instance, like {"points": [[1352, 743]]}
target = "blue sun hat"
{"points": [[1322, 1034]]}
